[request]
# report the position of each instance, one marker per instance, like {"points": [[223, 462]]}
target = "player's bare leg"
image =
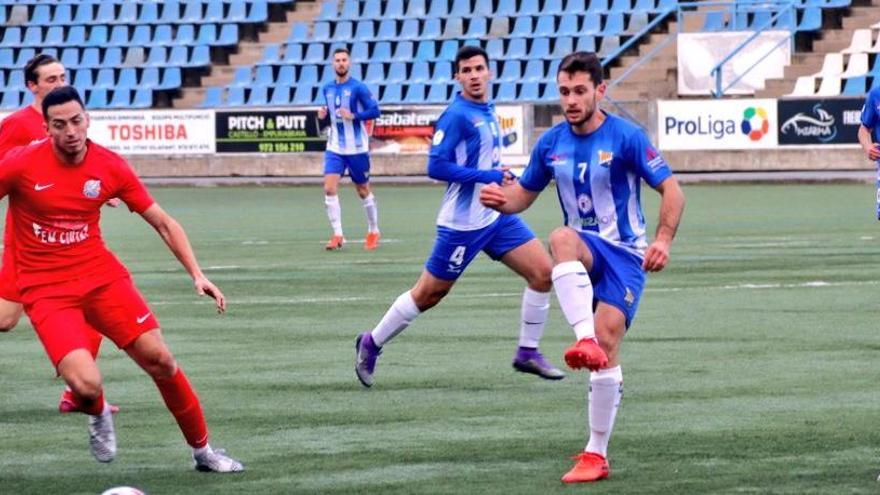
{"points": [[425, 294], [531, 262], [150, 353], [68, 402], [10, 313], [79, 371], [334, 211], [371, 241]]}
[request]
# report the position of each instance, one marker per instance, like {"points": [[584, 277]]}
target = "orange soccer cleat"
{"points": [[69, 403], [335, 243], [372, 241], [590, 467], [586, 353]]}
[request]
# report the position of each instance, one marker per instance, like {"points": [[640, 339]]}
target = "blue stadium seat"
{"points": [[6, 58], [562, 47], [787, 20], [511, 71], [234, 97], [506, 92], [286, 75], [431, 30], [714, 21], [149, 78], [586, 44], [811, 19], [141, 35], [70, 57], [106, 13], [119, 36], [105, 79], [522, 26], [40, 16], [372, 9], [356, 71], [121, 98], [516, 49], [214, 12], [598, 6], [27, 98], [387, 30], [403, 51], [454, 28], [529, 7], [303, 95], [540, 48], [172, 78], [360, 50], [482, 8], [96, 98], [637, 22], [328, 11], [552, 7], [143, 98], [343, 30], [442, 73], [551, 92], [546, 26], [396, 73], [186, 34], [54, 36], [82, 79], [477, 28], [321, 31], [280, 96], [592, 24], [448, 50], [415, 94], [242, 77], [855, 86], [314, 54], [610, 44], [11, 37], [365, 31], [308, 75], [192, 12], [438, 9], [761, 20], [425, 51], [149, 13], [663, 5], [410, 29], [420, 73], [299, 32], [530, 91], [647, 6], [393, 9], [213, 97], [506, 8], [350, 10], [228, 35], [63, 14], [328, 75], [84, 14], [170, 12], [416, 9], [534, 71], [112, 57], [392, 94], [207, 34], [24, 55], [11, 99], [438, 93], [259, 96], [33, 36], [3, 79], [293, 53], [460, 8], [621, 6], [382, 51], [127, 78], [158, 56], [127, 13]]}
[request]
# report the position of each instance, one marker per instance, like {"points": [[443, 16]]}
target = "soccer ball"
{"points": [[122, 490]]}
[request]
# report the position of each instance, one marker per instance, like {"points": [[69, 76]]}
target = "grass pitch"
{"points": [[752, 366]]}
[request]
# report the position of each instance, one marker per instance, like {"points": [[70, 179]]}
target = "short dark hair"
{"points": [[30, 68], [341, 50], [470, 51], [60, 96], [582, 62]]}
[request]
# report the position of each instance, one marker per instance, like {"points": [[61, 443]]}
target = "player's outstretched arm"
{"points": [[175, 237], [871, 148], [513, 198], [671, 208]]}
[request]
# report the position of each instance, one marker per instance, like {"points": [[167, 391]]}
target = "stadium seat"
{"points": [[213, 12], [511, 71], [420, 73], [192, 12], [242, 77], [308, 75], [149, 78], [551, 92], [158, 57], [186, 34], [286, 75], [586, 44], [552, 7], [855, 86], [121, 98], [575, 7], [81, 79], [127, 79], [272, 53], [396, 73], [610, 44], [213, 97], [592, 24], [415, 94], [540, 48], [830, 86], [63, 14], [530, 91], [11, 37], [562, 46], [477, 28], [394, 9], [403, 51], [438, 9], [522, 27], [259, 96], [534, 71], [143, 98], [831, 66], [105, 79], [637, 22], [516, 49], [392, 94], [442, 73], [200, 57], [613, 24], [54, 36], [350, 10], [431, 30], [280, 96], [314, 54], [11, 99], [506, 92], [454, 28], [328, 11], [861, 42], [483, 8], [598, 7], [529, 7], [506, 8], [170, 12], [438, 93], [6, 58], [171, 78], [149, 13], [364, 31], [416, 9], [96, 98], [321, 31], [460, 8], [647, 6], [715, 21], [16, 79], [857, 66], [112, 57], [387, 30], [382, 51], [127, 13], [70, 57], [234, 97], [303, 95]]}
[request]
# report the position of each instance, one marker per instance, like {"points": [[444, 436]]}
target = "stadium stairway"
{"points": [[836, 35], [248, 53]]}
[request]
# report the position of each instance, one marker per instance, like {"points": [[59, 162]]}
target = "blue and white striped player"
{"points": [[466, 153], [869, 133], [601, 254], [349, 105]]}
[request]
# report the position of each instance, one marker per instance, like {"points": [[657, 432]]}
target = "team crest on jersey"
{"points": [[92, 188], [585, 203], [438, 137], [605, 158], [557, 160], [629, 298]]}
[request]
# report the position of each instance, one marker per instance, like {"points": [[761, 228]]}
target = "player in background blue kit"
{"points": [[466, 153], [349, 104], [601, 255], [869, 133]]}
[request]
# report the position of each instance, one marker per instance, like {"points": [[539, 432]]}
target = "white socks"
{"points": [[334, 213], [372, 212], [606, 389], [396, 319], [575, 293], [201, 450], [535, 307]]}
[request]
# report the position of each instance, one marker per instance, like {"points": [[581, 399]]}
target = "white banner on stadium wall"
{"points": [[698, 53], [170, 132], [717, 124]]}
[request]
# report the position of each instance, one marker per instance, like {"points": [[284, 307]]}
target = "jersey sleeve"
{"points": [[9, 172], [870, 116], [646, 161], [441, 160], [369, 107], [9, 138], [538, 172], [131, 190]]}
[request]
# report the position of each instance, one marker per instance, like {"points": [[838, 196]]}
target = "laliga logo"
{"points": [[755, 124]]}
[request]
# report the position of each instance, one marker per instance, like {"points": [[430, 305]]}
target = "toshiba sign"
{"points": [[170, 132]]}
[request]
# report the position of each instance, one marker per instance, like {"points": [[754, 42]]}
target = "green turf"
{"points": [[751, 367]]}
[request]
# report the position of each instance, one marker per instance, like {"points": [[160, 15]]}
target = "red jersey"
{"points": [[56, 210], [21, 129]]}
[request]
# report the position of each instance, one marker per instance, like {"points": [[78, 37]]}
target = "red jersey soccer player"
{"points": [[42, 74], [70, 281]]}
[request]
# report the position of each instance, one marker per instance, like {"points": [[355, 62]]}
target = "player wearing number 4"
{"points": [[600, 256], [466, 153], [349, 105]]}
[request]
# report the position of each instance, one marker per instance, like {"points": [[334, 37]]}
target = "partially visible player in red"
{"points": [[42, 74], [70, 282]]}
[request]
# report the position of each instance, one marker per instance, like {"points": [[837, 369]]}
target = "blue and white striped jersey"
{"points": [[598, 178], [349, 137], [466, 153], [871, 113]]}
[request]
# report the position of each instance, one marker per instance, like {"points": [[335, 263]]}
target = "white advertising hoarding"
{"points": [[147, 132], [717, 124]]}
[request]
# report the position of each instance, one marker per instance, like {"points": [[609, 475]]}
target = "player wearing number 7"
{"points": [[601, 255], [466, 153]]}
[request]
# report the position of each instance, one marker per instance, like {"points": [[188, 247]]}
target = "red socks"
{"points": [[182, 401]]}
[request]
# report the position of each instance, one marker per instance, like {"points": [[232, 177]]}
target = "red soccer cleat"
{"points": [[372, 241], [335, 243], [586, 353], [69, 404], [590, 467]]}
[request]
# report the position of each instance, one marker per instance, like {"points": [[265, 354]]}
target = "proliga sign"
{"points": [[717, 124]]}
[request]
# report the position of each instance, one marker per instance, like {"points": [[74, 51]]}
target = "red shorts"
{"points": [[65, 314], [8, 285]]}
